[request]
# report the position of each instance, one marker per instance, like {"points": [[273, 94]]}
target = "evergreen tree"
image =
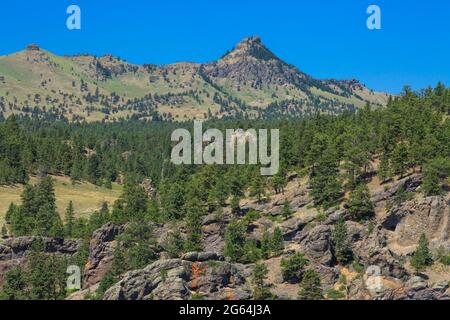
{"points": [[235, 240], [422, 257], [310, 287], [260, 288], [70, 219], [400, 159], [265, 244], [194, 226], [292, 268], [251, 252], [15, 285], [287, 212], [431, 185], [136, 247], [359, 205], [384, 170], [258, 188], [325, 182], [175, 244], [277, 242], [279, 182], [4, 231], [340, 240]]}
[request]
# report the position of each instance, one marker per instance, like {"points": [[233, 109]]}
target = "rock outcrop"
{"points": [[317, 244], [13, 251], [411, 219], [101, 253], [177, 279]]}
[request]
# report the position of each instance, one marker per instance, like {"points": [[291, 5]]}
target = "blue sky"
{"points": [[325, 38]]}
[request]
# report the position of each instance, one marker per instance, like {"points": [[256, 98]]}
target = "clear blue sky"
{"points": [[325, 38]]}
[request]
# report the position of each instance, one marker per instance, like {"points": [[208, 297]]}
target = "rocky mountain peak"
{"points": [[251, 47]]}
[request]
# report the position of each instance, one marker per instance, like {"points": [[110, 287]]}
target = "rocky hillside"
{"points": [[248, 81], [382, 250]]}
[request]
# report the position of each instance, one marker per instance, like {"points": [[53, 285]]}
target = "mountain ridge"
{"points": [[248, 81]]}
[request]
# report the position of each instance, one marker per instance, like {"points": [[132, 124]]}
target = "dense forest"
{"points": [[336, 153]]}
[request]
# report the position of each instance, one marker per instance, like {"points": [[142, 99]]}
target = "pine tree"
{"points": [[194, 227], [265, 244], [258, 188], [359, 205], [292, 268], [325, 182], [279, 182], [235, 204], [4, 231], [235, 240], [260, 288], [431, 184], [310, 287], [175, 244], [400, 159], [384, 170], [341, 246], [422, 257], [15, 285], [287, 212], [277, 242], [70, 218]]}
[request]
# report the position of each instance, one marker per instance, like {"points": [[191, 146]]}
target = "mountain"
{"points": [[249, 81]]}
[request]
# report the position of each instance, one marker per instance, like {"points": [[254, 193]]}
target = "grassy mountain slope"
{"points": [[249, 80]]}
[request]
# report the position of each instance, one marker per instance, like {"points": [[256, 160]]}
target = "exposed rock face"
{"points": [[418, 289], [317, 244], [13, 251], [429, 216], [14, 248], [101, 253], [292, 227], [251, 62], [409, 184], [202, 256], [297, 199], [177, 279]]}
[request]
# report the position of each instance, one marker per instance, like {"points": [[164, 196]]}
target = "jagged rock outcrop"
{"points": [[13, 251], [297, 199], [418, 288], [178, 279], [317, 244], [411, 219], [409, 184], [101, 253], [14, 248]]}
